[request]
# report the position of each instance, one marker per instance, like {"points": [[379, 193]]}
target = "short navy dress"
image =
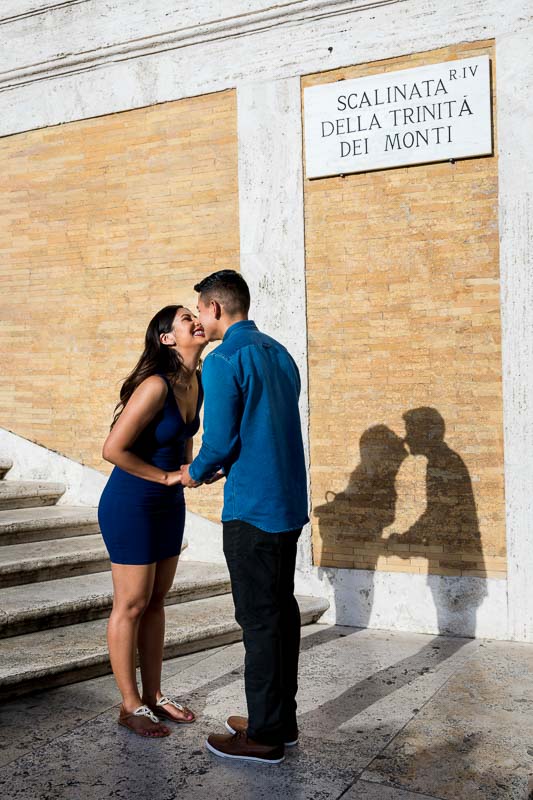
{"points": [[143, 521]]}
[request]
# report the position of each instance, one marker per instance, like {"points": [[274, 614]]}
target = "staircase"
{"points": [[56, 593]]}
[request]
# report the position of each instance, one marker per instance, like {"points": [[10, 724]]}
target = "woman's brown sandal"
{"points": [[134, 722], [167, 701]]}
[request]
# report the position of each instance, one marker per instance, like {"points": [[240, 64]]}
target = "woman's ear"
{"points": [[167, 338]]}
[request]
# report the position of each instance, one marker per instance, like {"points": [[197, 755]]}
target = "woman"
{"points": [[142, 509]]}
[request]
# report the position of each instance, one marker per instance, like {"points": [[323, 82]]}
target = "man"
{"points": [[252, 435]]}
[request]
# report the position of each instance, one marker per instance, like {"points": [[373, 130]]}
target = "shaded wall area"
{"points": [[102, 222], [405, 361]]}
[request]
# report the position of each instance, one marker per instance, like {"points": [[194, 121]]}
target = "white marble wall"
{"points": [[436, 604], [272, 225], [71, 60], [514, 71], [31, 462]]}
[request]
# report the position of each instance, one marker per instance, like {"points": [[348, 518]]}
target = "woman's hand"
{"points": [[186, 479], [173, 478]]}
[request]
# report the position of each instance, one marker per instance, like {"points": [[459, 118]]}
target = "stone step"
{"points": [[78, 652], [69, 601], [29, 494], [5, 466], [18, 525], [49, 560]]}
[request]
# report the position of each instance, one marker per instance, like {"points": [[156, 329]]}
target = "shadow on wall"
{"points": [[443, 539]]}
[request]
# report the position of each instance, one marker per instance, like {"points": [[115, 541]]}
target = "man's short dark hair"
{"points": [[228, 288]]}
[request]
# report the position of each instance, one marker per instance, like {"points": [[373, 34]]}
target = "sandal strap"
{"points": [[144, 711], [167, 701]]}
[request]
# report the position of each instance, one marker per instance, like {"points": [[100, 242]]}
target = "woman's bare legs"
{"points": [[152, 635], [132, 585], [152, 628]]}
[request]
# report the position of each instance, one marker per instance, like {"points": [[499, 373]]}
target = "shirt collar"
{"points": [[242, 324]]}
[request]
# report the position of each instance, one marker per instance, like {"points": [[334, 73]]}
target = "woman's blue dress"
{"points": [[143, 521]]}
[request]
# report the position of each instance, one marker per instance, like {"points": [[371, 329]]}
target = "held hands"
{"points": [[173, 478], [182, 476], [186, 479]]}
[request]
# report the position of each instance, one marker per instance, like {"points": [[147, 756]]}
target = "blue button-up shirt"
{"points": [[252, 430]]}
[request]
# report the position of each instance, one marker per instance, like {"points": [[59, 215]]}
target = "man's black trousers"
{"points": [[261, 567]]}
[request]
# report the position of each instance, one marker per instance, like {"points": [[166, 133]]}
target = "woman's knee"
{"points": [[132, 608]]}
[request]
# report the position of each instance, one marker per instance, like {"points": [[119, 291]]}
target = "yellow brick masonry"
{"points": [[103, 222], [403, 312]]}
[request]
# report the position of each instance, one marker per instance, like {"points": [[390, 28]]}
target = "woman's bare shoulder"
{"points": [[153, 388]]}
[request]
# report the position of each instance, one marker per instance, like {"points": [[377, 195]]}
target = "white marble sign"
{"points": [[411, 116]]}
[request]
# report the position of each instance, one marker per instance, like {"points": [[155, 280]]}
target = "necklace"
{"points": [[180, 385]]}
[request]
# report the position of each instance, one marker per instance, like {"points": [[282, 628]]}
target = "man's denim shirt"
{"points": [[252, 430]]}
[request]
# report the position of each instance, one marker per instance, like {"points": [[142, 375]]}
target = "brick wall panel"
{"points": [[103, 222], [403, 312]]}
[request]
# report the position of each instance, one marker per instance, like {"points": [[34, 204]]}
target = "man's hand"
{"points": [[216, 477], [186, 479]]}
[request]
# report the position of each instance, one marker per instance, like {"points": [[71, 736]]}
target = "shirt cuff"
{"points": [[192, 471]]}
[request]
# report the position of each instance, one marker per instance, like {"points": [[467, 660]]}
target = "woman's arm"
{"points": [[188, 451], [141, 408]]}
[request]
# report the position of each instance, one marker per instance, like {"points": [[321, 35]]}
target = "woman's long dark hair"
{"points": [[156, 357]]}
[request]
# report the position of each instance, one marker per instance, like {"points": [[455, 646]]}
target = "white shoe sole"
{"points": [[244, 758], [287, 744]]}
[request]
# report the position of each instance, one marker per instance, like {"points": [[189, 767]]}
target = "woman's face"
{"points": [[187, 330]]}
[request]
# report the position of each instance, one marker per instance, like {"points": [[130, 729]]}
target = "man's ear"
{"points": [[167, 338], [217, 309]]}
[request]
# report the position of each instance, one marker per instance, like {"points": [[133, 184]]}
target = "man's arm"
{"points": [[222, 417], [298, 380]]}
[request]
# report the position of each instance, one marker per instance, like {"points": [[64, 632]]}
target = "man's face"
{"points": [[207, 317], [412, 440]]}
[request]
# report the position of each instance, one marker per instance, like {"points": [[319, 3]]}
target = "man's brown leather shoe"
{"points": [[240, 746], [237, 724]]}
